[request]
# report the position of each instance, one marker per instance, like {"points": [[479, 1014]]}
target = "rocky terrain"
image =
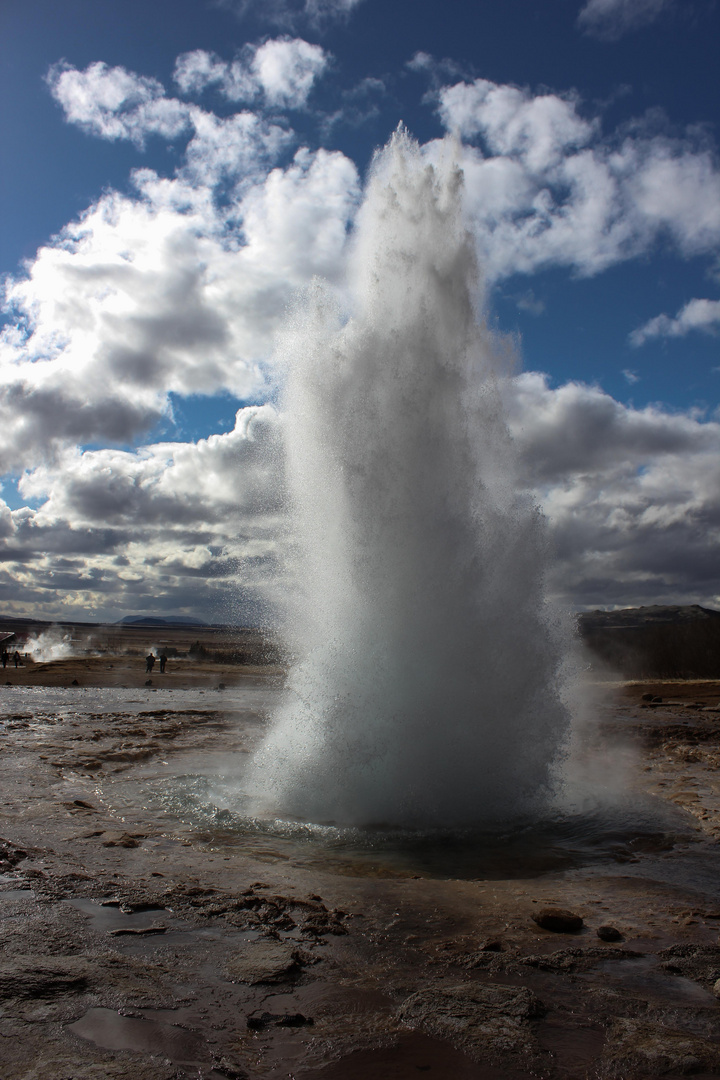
{"points": [[141, 939]]}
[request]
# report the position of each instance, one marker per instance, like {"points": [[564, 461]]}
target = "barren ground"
{"points": [[140, 941]]}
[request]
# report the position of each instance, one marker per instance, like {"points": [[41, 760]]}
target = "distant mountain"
{"points": [[658, 641], [155, 620], [646, 616]]}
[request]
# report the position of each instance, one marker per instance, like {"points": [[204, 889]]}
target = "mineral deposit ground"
{"points": [[146, 934]]}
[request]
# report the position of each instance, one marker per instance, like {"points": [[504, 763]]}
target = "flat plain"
{"points": [[148, 930]]}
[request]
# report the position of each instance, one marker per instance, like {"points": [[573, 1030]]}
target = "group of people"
{"points": [[150, 663], [6, 658]]}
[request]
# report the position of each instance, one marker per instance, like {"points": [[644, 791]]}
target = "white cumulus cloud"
{"points": [[632, 496], [545, 187], [540, 130], [168, 527], [286, 70], [282, 72], [156, 294], [178, 288], [695, 315], [117, 104]]}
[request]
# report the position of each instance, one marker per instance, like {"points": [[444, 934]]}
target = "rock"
{"points": [[43, 977], [126, 840], [229, 1069], [571, 960], [294, 1020], [608, 933], [484, 1021], [698, 962], [258, 1021], [646, 697], [559, 920], [142, 931], [264, 962], [577, 959], [10, 855], [637, 1049]]}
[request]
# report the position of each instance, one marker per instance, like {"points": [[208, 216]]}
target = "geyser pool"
{"points": [[425, 687]]}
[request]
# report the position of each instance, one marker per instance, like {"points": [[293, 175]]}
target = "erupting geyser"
{"points": [[425, 686]]}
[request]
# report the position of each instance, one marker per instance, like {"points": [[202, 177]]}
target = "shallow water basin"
{"points": [[112, 1031]]}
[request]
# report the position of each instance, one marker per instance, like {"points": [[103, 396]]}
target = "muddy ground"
{"points": [[141, 940]]}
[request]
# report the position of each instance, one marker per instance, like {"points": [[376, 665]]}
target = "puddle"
{"points": [[574, 1048], [62, 703], [644, 975], [214, 810], [108, 917], [111, 1031], [413, 1056]]}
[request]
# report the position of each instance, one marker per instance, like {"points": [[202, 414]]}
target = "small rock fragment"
{"points": [[259, 1021], [609, 933], [559, 920], [229, 1069], [142, 931], [264, 961], [126, 840], [10, 855]]}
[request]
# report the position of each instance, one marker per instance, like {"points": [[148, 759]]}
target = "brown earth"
{"points": [[115, 656], [181, 673], [143, 942]]}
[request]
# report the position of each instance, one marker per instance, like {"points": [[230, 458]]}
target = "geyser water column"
{"points": [[424, 686]]}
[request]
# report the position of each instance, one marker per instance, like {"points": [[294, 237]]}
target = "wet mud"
{"points": [[142, 936]]}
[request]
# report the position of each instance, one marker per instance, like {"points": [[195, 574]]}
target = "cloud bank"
{"points": [[178, 286]]}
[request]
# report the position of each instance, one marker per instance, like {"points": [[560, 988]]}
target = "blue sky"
{"points": [[589, 142]]}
